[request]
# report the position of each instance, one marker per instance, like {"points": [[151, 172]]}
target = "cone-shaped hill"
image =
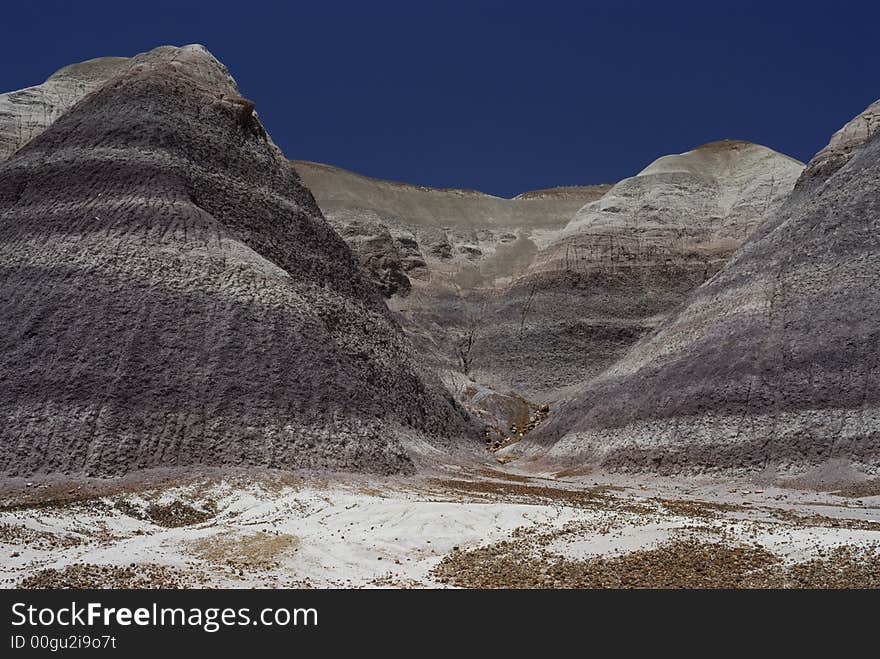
{"points": [[170, 295], [627, 260], [775, 361]]}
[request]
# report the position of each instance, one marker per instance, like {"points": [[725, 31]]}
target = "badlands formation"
{"points": [[444, 260], [772, 364], [664, 369], [627, 259], [168, 311], [412, 237], [171, 296], [512, 300]]}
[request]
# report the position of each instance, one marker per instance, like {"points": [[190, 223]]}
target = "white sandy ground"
{"points": [[369, 533]]}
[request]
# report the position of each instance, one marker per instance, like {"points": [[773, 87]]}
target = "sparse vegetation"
{"points": [[257, 550]]}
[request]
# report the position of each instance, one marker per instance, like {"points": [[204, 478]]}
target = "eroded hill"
{"points": [[170, 295]]}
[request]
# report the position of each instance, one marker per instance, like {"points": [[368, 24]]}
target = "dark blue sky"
{"points": [[498, 96]]}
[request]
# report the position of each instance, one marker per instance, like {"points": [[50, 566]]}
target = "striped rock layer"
{"points": [[26, 113], [773, 363], [628, 259], [443, 257], [170, 295]]}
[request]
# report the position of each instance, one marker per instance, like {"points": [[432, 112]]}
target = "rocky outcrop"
{"points": [[442, 237], [170, 295], [845, 142], [588, 192], [443, 257], [388, 255], [626, 260], [26, 113], [506, 416], [546, 290], [773, 363]]}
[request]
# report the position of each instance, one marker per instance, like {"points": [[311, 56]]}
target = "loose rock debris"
{"points": [[496, 440], [676, 564], [486, 529], [142, 576]]}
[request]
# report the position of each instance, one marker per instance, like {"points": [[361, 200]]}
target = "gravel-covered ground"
{"points": [[480, 529]]}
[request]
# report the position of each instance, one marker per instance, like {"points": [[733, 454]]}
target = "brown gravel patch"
{"points": [[47, 495], [699, 509], [170, 515], [71, 496], [393, 581], [41, 540], [843, 567], [826, 521], [71, 501], [107, 576], [860, 490], [675, 564], [177, 514], [535, 493], [504, 476]]}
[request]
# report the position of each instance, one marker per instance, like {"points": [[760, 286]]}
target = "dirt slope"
{"points": [[774, 362], [170, 295]]}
